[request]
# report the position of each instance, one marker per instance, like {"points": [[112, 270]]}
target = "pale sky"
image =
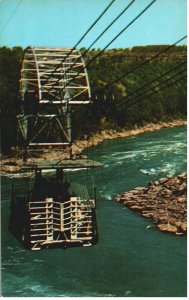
{"points": [[63, 22]]}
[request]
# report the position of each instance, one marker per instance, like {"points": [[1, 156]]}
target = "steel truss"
{"points": [[49, 88]]}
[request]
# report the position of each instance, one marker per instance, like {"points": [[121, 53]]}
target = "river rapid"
{"points": [[131, 259]]}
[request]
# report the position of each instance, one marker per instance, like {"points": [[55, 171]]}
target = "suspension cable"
{"points": [[164, 87], [83, 36], [127, 26], [132, 102], [11, 16], [99, 36], [145, 62], [152, 81], [124, 29]]}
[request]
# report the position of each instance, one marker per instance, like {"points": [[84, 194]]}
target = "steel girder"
{"points": [[53, 80], [49, 74]]}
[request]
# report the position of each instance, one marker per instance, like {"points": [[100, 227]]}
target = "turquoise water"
{"points": [[129, 260]]}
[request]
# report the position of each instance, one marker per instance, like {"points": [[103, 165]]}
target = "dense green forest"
{"points": [[116, 105]]}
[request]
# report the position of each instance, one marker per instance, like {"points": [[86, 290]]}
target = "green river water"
{"points": [[130, 260]]}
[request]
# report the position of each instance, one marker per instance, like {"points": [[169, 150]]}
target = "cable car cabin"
{"points": [[54, 81], [52, 212]]}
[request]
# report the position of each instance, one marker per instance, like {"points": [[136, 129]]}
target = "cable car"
{"points": [[52, 212]]}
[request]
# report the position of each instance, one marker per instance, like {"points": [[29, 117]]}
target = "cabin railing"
{"points": [[55, 222]]}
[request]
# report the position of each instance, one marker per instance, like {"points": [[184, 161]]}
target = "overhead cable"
{"points": [[160, 83], [102, 33], [155, 92], [155, 79], [131, 101], [11, 16], [126, 27], [99, 36], [83, 36], [144, 62]]}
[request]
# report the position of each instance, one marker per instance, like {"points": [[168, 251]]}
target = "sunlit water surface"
{"points": [[129, 260]]}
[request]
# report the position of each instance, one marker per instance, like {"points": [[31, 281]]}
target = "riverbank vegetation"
{"points": [[111, 108]]}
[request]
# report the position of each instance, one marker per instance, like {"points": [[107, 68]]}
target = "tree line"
{"points": [[110, 108]]}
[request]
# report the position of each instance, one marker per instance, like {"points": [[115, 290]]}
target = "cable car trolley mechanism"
{"points": [[55, 212]]}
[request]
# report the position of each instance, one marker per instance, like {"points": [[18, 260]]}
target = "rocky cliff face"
{"points": [[163, 201]]}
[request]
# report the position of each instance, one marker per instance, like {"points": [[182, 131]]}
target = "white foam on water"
{"points": [[125, 155], [118, 163], [181, 134], [12, 262], [84, 293], [116, 154], [126, 293], [167, 168], [145, 171], [10, 248], [108, 197], [151, 154], [38, 260], [175, 146], [35, 288], [39, 290], [148, 151]]}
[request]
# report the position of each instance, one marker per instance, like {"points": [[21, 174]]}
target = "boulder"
{"points": [[167, 228], [183, 186], [136, 192], [183, 227], [150, 207], [173, 221], [129, 202], [178, 223], [117, 198], [139, 188], [163, 219], [127, 195], [163, 201], [163, 180], [148, 215], [136, 207], [181, 199], [182, 176]]}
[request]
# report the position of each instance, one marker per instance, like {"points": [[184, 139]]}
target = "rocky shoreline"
{"points": [[13, 163], [164, 202], [124, 133]]}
